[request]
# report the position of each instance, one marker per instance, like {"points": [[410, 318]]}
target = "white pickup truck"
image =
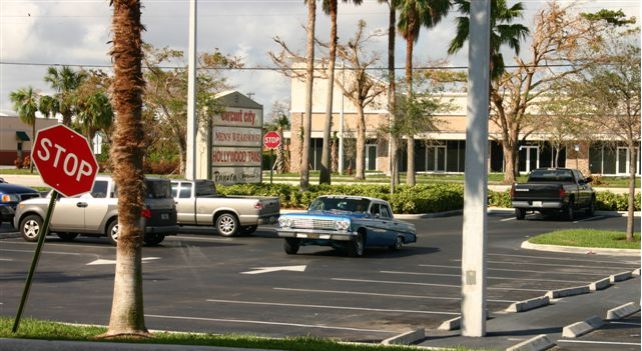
{"points": [[198, 203]]}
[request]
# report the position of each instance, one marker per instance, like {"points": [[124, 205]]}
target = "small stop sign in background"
{"points": [[271, 140], [64, 160]]}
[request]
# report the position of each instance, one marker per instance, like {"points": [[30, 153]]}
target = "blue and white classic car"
{"points": [[345, 222]]}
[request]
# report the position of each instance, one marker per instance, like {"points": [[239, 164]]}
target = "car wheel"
{"points": [[356, 247], [291, 246], [249, 229], [30, 227], [520, 213], [570, 210], [112, 232], [398, 245], [227, 224], [67, 236], [153, 239], [591, 209]]}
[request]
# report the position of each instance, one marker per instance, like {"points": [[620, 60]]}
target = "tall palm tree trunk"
{"points": [[326, 168], [307, 119], [392, 138], [410, 172], [127, 316]]}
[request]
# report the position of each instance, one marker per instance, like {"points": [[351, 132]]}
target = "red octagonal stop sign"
{"points": [[64, 159], [272, 140]]}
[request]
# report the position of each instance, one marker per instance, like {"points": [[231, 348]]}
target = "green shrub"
{"points": [[608, 201], [499, 199]]}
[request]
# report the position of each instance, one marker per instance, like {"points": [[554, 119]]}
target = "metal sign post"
{"points": [[36, 257]]}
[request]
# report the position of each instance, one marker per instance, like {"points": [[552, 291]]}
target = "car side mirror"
{"points": [[589, 179]]}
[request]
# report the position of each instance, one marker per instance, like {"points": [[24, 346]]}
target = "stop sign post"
{"points": [[65, 163], [271, 140]]}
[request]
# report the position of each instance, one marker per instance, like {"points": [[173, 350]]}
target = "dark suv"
{"points": [[10, 196]]}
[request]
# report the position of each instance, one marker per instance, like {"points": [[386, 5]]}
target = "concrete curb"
{"points": [[600, 284], [578, 290], [620, 277], [580, 328], [622, 311], [526, 305], [537, 343], [406, 338], [636, 272], [580, 250]]}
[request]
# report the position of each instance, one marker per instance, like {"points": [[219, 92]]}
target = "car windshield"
{"points": [[551, 175], [339, 204], [158, 189]]}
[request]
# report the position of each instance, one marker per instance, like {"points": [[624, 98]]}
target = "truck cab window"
{"points": [[186, 191]]}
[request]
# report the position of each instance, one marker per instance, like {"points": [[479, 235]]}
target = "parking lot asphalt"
{"points": [[200, 282]]}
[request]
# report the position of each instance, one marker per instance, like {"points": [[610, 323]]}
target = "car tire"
{"points": [[398, 245], [31, 227], [520, 213], [291, 246], [67, 236], [112, 232], [590, 211], [570, 210], [357, 246], [248, 229], [153, 239], [227, 224]]}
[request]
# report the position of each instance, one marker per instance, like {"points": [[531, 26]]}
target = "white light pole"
{"points": [[341, 120], [473, 263], [190, 157]]}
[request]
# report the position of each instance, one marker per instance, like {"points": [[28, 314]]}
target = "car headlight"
{"points": [[10, 198], [342, 224], [285, 222]]}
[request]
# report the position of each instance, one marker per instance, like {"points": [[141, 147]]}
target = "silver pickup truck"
{"points": [[198, 203]]}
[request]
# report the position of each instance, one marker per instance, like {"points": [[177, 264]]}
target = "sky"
{"points": [[37, 33]]}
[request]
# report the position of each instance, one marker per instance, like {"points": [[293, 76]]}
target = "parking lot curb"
{"points": [[580, 250], [636, 272], [527, 305], [537, 343], [578, 290], [618, 277], [454, 323], [622, 311], [580, 328], [406, 338], [600, 284]]}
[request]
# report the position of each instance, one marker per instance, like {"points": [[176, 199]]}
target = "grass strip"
{"points": [[588, 238], [49, 330]]}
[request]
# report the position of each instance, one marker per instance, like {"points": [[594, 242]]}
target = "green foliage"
{"points": [[499, 199], [588, 238]]}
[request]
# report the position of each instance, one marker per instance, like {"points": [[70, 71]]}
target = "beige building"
{"points": [[16, 137], [437, 152]]}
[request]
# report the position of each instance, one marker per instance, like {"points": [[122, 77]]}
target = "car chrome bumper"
{"points": [[316, 234], [538, 204]]}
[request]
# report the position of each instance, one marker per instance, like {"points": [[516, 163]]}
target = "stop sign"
{"points": [[272, 140], [64, 160]]}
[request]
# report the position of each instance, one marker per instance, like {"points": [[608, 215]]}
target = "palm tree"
{"points": [[127, 316], [307, 118], [94, 114], [65, 81], [48, 106], [413, 14], [25, 102], [502, 31], [330, 8]]}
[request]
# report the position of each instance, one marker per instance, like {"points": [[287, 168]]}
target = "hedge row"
{"points": [[422, 198]]}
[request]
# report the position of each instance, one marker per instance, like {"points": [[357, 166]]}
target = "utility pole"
{"points": [[473, 262], [190, 159]]}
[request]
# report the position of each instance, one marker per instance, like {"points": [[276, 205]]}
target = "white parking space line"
{"points": [[575, 259], [272, 323], [557, 265], [589, 219], [496, 278], [184, 237], [519, 270], [330, 307], [598, 342], [51, 252], [507, 219], [6, 259], [427, 284], [384, 295]]}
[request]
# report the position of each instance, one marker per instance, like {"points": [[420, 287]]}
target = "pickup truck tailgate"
{"points": [[271, 205], [537, 191]]}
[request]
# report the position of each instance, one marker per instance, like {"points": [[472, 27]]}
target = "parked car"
{"points": [[96, 213], [10, 196], [554, 190], [198, 203], [351, 223]]}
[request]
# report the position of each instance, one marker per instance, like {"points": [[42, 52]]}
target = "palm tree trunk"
{"points": [[410, 172], [631, 209], [307, 118], [127, 316], [360, 172], [324, 176], [392, 138]]}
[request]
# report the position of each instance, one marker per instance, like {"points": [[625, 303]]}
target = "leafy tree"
{"points": [[127, 315], [25, 102], [94, 110], [414, 14], [65, 81]]}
